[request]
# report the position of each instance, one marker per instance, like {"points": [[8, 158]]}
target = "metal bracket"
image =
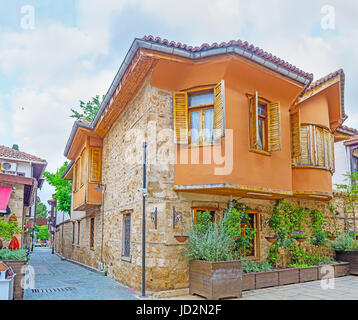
{"points": [[154, 217], [177, 217]]}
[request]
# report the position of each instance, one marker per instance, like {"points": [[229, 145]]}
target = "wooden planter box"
{"points": [[266, 279], [351, 257], [248, 281], [19, 280], [308, 274], [215, 280], [288, 276], [341, 269]]}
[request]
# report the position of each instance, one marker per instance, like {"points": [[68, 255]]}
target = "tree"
{"points": [[89, 109], [63, 188], [43, 233], [15, 147], [41, 210]]}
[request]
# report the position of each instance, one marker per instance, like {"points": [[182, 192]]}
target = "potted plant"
{"points": [[331, 236], [14, 258], [346, 250], [272, 239], [181, 239], [215, 257], [300, 236]]}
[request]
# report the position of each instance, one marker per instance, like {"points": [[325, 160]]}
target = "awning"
{"points": [[5, 193]]}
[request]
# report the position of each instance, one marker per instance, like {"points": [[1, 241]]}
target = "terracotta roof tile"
{"points": [[15, 154], [352, 130], [238, 43]]}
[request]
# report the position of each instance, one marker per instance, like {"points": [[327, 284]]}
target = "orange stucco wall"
{"points": [[249, 168], [312, 180], [315, 110]]}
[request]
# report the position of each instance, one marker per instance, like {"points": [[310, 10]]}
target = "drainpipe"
{"points": [[144, 192]]}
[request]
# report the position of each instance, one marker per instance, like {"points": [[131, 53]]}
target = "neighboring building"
{"points": [[346, 156], [20, 177], [222, 122]]}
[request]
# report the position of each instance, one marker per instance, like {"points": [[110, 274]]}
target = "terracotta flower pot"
{"points": [[236, 238], [271, 239], [332, 238], [301, 239], [181, 238]]}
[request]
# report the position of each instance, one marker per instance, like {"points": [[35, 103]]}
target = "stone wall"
{"points": [[166, 267], [80, 252]]}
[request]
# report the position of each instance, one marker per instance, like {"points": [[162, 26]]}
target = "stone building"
{"points": [[20, 178], [221, 122]]}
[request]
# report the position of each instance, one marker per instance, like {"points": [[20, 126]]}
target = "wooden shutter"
{"points": [[254, 104], [180, 105], [95, 169], [305, 154], [295, 134], [83, 167], [274, 126], [331, 153], [319, 141], [327, 142], [219, 110]]}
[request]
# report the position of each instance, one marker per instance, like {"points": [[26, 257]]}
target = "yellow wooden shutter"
{"points": [[295, 134], [274, 126], [180, 105], [319, 146], [83, 167], [254, 104], [95, 169], [331, 153], [326, 144], [305, 146], [219, 110]]}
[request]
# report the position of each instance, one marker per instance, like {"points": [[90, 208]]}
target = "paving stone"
{"points": [[53, 273]]}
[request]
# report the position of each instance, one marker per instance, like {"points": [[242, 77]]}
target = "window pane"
{"points": [[195, 125], [209, 125], [201, 99], [260, 135], [261, 110]]}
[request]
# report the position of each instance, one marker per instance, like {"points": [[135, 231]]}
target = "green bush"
{"points": [[249, 266], [213, 245], [9, 229], [319, 260], [345, 242], [8, 254]]}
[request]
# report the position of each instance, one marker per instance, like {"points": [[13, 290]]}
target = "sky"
{"points": [[55, 53]]}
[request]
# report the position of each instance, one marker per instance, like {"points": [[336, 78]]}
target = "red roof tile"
{"points": [[345, 128], [237, 43], [15, 154]]}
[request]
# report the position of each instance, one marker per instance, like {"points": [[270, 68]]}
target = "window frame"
{"points": [[257, 239], [264, 119], [124, 215], [92, 231], [218, 212], [78, 233], [73, 233], [201, 108]]}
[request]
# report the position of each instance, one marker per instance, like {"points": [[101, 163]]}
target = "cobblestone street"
{"points": [[62, 280]]}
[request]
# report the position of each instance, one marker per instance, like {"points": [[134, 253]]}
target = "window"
{"points": [[75, 177], [78, 232], [265, 124], [126, 238], [92, 234], [254, 223], [199, 114], [316, 145], [96, 165], [83, 167], [73, 233], [215, 213]]}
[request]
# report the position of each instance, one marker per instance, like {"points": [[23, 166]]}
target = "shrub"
{"points": [[213, 245], [7, 254], [249, 266], [9, 229], [345, 242]]}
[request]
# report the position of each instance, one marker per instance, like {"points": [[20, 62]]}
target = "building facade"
{"points": [[221, 123], [20, 177]]}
